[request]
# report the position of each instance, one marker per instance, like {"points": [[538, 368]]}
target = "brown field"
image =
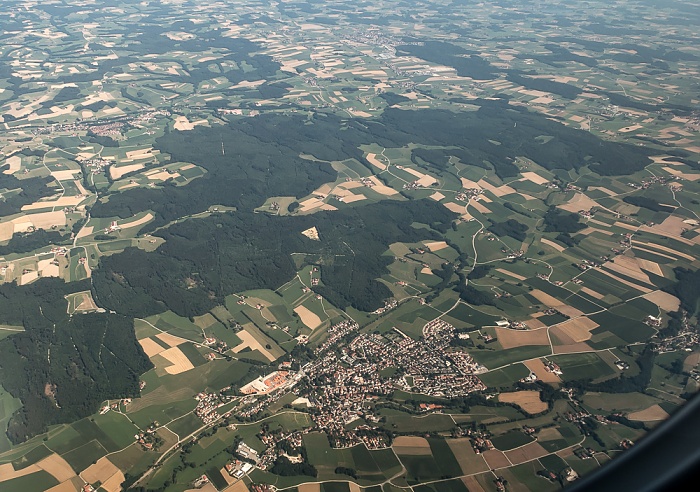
{"points": [[150, 347], [354, 487], [592, 293], [537, 366], [552, 244], [495, 459], [665, 249], [209, 487], [372, 159], [650, 266], [480, 207], [665, 301], [527, 400], [549, 434], [171, 340], [101, 471], [56, 466], [510, 274], [451, 206], [468, 460], [138, 222], [572, 347], [629, 267], [654, 412], [472, 484], [8, 472], [117, 172], [499, 191], [535, 324], [411, 446], [526, 453], [307, 487], [578, 329], [534, 177], [579, 202], [249, 340], [67, 486], [308, 317], [205, 321], [672, 226], [691, 361], [509, 338], [180, 362], [633, 285], [436, 246]]}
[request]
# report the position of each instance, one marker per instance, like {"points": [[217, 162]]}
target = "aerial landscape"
{"points": [[344, 246]]}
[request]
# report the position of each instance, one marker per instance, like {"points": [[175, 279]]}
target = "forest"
{"points": [[206, 259], [253, 158], [62, 367]]}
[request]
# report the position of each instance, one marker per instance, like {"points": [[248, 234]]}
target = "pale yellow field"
{"points": [[592, 293], [381, 188], [8, 472], [510, 274], [509, 338], [249, 340], [150, 347], [527, 400], [180, 362], [117, 172], [436, 246], [552, 244], [135, 223], [654, 412], [307, 487], [534, 177], [372, 159], [578, 202], [664, 300], [579, 329], [57, 467], [537, 366], [67, 486], [171, 340], [499, 191], [308, 317], [412, 446], [15, 163], [526, 453], [100, 471]]}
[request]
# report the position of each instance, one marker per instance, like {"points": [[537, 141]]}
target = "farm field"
{"points": [[341, 246]]}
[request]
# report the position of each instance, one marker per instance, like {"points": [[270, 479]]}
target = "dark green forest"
{"points": [[206, 259], [261, 154], [62, 367]]}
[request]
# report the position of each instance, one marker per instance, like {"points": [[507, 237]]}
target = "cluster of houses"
{"points": [[208, 403], [388, 306], [336, 332]]}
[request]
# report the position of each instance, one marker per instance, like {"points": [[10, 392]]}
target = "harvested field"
{"points": [[510, 274], [143, 220], [472, 484], [534, 177], [372, 159], [672, 226], [437, 196], [57, 467], [572, 347], [180, 362], [499, 191], [629, 267], [552, 244], [495, 459], [525, 453], [117, 172], [305, 487], [537, 366], [549, 434], [67, 486], [527, 400], [150, 347], [578, 330], [509, 338], [592, 293], [579, 202], [436, 246], [171, 340], [308, 317], [468, 460], [664, 300], [411, 446], [454, 207], [535, 324], [653, 413], [655, 248], [638, 287], [650, 266], [691, 361], [381, 188], [250, 341], [8, 472], [100, 471]]}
